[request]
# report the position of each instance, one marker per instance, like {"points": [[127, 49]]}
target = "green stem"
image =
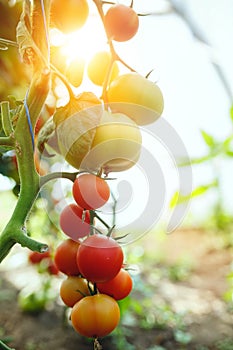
{"points": [[7, 141], [101, 220], [3, 346], [57, 175], [115, 56], [15, 231], [6, 118]]}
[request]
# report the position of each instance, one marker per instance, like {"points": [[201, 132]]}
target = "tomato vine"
{"points": [[92, 256]]}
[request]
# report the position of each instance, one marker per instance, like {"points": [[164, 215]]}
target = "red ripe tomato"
{"points": [[36, 257], [99, 258], [95, 316], [119, 287], [121, 22], [90, 191], [65, 257], [72, 223], [52, 268], [73, 289]]}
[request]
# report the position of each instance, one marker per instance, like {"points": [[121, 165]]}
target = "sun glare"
{"points": [[83, 43]]}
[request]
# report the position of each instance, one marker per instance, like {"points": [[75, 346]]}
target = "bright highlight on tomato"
{"points": [[95, 316], [65, 257], [98, 66], [75, 222], [73, 289], [99, 258], [90, 191], [69, 15], [121, 22]]}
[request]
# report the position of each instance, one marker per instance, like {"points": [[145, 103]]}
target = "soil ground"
{"points": [[208, 319]]}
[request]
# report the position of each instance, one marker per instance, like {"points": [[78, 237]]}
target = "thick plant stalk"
{"points": [[15, 231]]}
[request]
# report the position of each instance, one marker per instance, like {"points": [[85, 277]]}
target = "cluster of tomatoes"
{"points": [[95, 281], [93, 263], [121, 22]]}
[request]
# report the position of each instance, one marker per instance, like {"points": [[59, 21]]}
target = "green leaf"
{"points": [[186, 162], [228, 146], [231, 113], [209, 140], [26, 44], [76, 126], [179, 198]]}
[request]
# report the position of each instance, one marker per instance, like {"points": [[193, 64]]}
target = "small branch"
{"points": [[25, 241], [4, 43], [7, 141], [115, 56], [3, 346], [63, 80], [101, 220], [57, 175]]}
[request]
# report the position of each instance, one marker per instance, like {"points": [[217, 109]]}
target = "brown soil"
{"points": [[207, 317]]}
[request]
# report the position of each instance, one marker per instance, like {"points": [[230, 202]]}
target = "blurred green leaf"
{"points": [[182, 337], [209, 139], [231, 113], [198, 160], [178, 198]]}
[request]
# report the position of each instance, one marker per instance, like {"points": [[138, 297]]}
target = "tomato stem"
{"points": [[101, 220], [97, 345]]}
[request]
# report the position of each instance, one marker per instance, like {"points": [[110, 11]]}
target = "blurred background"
{"points": [[183, 282]]}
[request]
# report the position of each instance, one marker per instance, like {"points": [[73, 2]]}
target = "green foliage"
{"points": [[228, 296], [209, 139], [217, 151], [226, 344]]}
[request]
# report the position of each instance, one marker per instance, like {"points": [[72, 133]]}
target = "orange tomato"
{"points": [[95, 316], [73, 289]]}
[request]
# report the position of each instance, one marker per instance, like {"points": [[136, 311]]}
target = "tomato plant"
{"points": [[73, 289], [65, 257], [121, 22], [75, 221], [96, 135], [119, 287], [90, 191], [95, 316], [99, 258]]}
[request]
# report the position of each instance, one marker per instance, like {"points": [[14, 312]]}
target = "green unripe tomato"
{"points": [[137, 97]]}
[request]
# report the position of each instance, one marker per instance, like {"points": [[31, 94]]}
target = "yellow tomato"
{"points": [[69, 15], [75, 70], [116, 145], [98, 67], [137, 97]]}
